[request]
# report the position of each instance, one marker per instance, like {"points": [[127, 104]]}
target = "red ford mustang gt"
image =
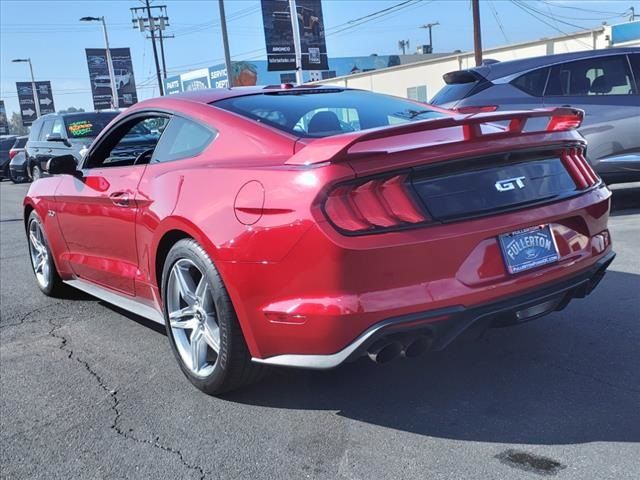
{"points": [[309, 226]]}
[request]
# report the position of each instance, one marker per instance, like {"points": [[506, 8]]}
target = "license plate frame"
{"points": [[528, 248]]}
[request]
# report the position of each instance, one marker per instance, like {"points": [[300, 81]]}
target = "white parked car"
{"points": [[123, 77]]}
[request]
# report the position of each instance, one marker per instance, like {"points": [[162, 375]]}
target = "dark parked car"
{"points": [[62, 134], [6, 142], [603, 83], [18, 161]]}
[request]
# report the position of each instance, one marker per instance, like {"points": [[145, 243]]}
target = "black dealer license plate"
{"points": [[528, 248]]}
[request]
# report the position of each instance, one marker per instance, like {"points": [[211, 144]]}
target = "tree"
{"points": [[15, 125], [71, 110]]}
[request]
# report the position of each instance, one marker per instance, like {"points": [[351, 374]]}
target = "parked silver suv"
{"points": [[603, 83]]}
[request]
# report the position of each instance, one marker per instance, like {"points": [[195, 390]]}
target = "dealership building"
{"points": [[422, 79], [417, 76]]}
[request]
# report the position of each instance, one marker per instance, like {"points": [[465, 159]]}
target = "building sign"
{"points": [[26, 100], [4, 123], [101, 82], [279, 35], [255, 72]]}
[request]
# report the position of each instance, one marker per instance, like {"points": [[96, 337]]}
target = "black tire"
{"points": [[54, 286], [233, 368], [36, 173]]}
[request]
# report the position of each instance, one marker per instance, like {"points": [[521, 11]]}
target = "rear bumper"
{"points": [[445, 325]]}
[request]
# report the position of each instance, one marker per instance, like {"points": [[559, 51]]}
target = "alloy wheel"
{"points": [[192, 317], [39, 254]]}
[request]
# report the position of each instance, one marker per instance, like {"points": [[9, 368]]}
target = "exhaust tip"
{"points": [[417, 347], [384, 351]]}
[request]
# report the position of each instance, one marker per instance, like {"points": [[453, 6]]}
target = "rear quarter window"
{"points": [[533, 82], [182, 138]]}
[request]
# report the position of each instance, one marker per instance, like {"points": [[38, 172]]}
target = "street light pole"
{"points": [[112, 77], [34, 91], [296, 40], [115, 103], [225, 44]]}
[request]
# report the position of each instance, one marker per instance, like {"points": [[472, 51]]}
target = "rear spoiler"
{"points": [[337, 147]]}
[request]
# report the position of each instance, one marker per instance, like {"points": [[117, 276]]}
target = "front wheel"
{"points": [[36, 173], [41, 259], [201, 323]]}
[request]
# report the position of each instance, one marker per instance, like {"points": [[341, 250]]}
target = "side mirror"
{"points": [[63, 165], [56, 137]]}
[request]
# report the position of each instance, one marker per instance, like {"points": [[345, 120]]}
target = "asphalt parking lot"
{"points": [[90, 392]]}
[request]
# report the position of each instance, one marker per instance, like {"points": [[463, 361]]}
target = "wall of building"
{"points": [[399, 80]]}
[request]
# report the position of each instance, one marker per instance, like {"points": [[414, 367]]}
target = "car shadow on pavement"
{"points": [[571, 377]]}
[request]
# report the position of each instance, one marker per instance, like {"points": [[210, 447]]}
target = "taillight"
{"points": [[578, 167], [373, 205], [12, 153], [472, 109], [565, 122]]}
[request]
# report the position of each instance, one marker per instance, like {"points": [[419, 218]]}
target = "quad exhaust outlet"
{"points": [[390, 348]]}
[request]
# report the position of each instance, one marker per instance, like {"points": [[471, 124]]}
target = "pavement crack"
{"points": [[24, 317], [115, 404]]}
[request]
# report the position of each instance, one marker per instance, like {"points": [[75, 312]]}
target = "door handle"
{"points": [[120, 199]]}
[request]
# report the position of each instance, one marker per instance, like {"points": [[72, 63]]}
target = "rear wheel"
{"points": [[41, 259], [202, 326]]}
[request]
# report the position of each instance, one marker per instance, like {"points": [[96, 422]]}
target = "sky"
{"points": [[50, 33]]}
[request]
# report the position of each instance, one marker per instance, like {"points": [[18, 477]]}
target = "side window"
{"points": [[47, 126], [635, 65], [34, 133], [130, 143], [594, 76], [532, 82], [323, 120], [58, 127], [182, 139]]}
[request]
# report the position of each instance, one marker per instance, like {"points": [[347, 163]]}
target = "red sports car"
{"points": [[309, 226]]}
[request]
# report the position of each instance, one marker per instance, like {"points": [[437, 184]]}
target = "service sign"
{"points": [[4, 123], [101, 81], [278, 35], [26, 99]]}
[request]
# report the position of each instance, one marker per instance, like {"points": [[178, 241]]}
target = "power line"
{"points": [[495, 15], [522, 7], [579, 8]]}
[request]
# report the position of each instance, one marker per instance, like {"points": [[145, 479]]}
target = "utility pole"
{"points": [[225, 44], [430, 26], [162, 37], [143, 19], [477, 40], [295, 27], [403, 45]]}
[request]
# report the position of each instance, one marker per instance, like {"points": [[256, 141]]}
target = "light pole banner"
{"points": [[4, 123], [101, 82], [279, 36], [26, 100]]}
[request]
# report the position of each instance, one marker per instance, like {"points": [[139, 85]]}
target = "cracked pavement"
{"points": [[89, 392]]}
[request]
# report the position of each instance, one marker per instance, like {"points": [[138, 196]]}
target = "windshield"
{"points": [[87, 125], [322, 113]]}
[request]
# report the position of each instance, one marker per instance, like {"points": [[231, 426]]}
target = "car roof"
{"points": [[92, 112], [210, 95], [496, 70]]}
